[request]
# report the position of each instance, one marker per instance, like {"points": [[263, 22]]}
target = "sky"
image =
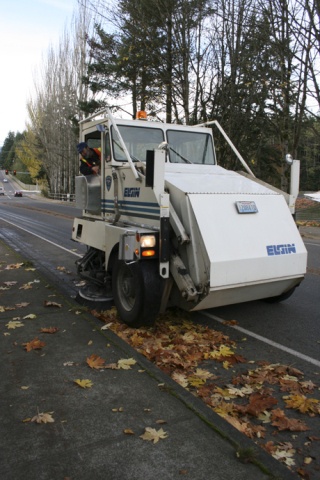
{"points": [[28, 28]]}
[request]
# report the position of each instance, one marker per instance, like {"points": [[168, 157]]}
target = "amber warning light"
{"points": [[141, 115]]}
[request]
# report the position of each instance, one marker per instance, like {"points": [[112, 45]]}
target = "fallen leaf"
{"points": [[43, 418], [258, 403], [35, 344], [282, 422], [303, 404], [112, 366], [84, 383], [195, 381], [282, 452], [14, 266], [224, 351], [14, 324], [47, 303], [152, 435], [125, 363], [180, 378], [31, 316], [94, 361], [201, 373], [128, 431], [49, 330], [26, 286]]}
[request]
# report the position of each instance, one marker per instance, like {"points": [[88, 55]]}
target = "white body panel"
{"points": [[242, 250]]}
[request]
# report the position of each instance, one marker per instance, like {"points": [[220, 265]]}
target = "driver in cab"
{"points": [[90, 159]]}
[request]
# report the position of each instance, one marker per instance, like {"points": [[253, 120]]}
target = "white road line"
{"points": [[42, 238], [265, 340], [313, 244]]}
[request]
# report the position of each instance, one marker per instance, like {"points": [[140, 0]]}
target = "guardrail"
{"points": [[64, 197]]}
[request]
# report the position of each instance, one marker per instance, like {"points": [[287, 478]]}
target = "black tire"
{"points": [[282, 297], [137, 291]]}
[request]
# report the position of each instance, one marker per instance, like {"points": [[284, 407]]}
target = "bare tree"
{"points": [[54, 111]]}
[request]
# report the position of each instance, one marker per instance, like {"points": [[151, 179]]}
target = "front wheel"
{"points": [[137, 291]]}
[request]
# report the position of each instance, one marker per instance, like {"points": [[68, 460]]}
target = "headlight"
{"points": [[148, 241]]}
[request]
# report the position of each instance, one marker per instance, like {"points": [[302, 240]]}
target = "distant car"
{"points": [[5, 180], [1, 191], [18, 194]]}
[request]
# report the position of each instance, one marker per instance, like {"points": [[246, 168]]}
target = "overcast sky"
{"points": [[28, 27]]}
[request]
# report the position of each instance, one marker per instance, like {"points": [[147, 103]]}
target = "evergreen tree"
{"points": [[7, 151]]}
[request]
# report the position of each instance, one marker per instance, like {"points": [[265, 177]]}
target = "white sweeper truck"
{"points": [[165, 225]]}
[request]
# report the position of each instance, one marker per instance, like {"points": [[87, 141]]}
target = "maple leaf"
{"points": [[195, 381], [238, 392], [308, 386], [125, 363], [203, 373], [14, 266], [258, 403], [48, 303], [303, 404], [180, 378], [94, 361], [223, 351], [283, 452], [49, 330], [43, 418], [284, 423], [83, 383], [153, 435], [225, 409], [35, 344], [14, 324], [265, 417]]}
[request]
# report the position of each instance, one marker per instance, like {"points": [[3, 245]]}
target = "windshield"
{"points": [[190, 147], [183, 146], [138, 140]]}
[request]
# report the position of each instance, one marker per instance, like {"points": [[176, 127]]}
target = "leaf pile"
{"points": [[272, 404]]}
